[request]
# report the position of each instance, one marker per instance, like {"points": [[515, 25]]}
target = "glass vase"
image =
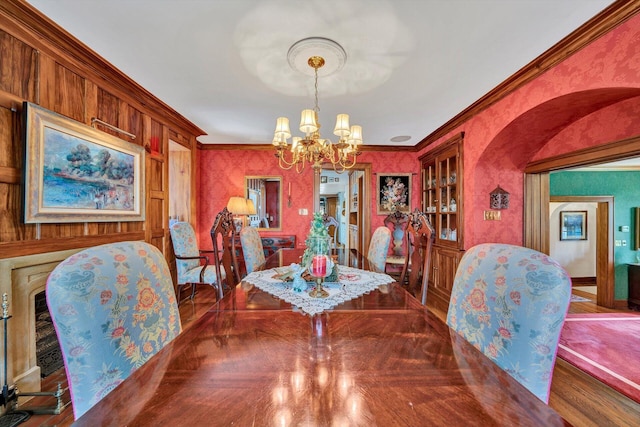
{"points": [[321, 264]]}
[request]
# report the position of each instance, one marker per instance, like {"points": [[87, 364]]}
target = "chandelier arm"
{"points": [[342, 169], [283, 164], [349, 166], [312, 148], [280, 154]]}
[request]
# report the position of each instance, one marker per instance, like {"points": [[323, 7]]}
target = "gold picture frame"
{"points": [[75, 173]]}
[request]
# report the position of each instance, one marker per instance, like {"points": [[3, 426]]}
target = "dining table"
{"points": [[379, 358]]}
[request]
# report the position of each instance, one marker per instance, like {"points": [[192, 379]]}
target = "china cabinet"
{"points": [[442, 201]]}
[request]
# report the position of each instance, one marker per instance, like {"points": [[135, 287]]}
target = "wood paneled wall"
{"points": [[42, 64]]}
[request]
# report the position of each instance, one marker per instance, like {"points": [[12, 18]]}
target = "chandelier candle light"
{"points": [[312, 148]]}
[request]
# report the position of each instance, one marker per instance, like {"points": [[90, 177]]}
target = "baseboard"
{"points": [[583, 281], [621, 304]]}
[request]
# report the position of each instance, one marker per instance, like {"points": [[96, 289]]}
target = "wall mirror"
{"points": [[266, 194]]}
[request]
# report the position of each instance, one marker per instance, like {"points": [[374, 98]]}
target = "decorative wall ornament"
{"points": [[499, 198]]}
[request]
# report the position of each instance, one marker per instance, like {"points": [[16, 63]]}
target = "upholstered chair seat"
{"points": [[378, 249], [192, 264], [510, 302], [113, 307], [252, 248]]}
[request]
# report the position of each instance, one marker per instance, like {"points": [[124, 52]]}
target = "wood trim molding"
{"points": [[617, 150], [32, 247], [605, 256], [269, 147], [10, 175], [614, 15]]}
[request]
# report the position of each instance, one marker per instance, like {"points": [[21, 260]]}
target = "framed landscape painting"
{"points": [[394, 193], [75, 173]]}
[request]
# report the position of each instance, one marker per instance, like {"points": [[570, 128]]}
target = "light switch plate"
{"points": [[492, 215]]}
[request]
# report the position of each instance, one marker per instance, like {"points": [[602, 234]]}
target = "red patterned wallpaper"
{"points": [[591, 98], [222, 172]]}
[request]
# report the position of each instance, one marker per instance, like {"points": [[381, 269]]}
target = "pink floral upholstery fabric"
{"points": [[113, 307], [378, 249], [510, 302], [251, 248]]}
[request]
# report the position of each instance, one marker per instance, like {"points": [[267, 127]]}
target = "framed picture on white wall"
{"points": [[573, 225]]}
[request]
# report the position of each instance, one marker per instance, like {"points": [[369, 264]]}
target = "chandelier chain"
{"points": [[317, 108]]}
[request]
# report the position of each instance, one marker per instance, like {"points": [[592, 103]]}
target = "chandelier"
{"points": [[312, 148]]}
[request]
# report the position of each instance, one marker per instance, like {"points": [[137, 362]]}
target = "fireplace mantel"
{"points": [[21, 278]]}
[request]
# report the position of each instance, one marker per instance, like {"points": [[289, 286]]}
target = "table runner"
{"points": [[352, 283]]}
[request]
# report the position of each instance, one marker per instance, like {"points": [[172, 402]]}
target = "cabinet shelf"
{"points": [[441, 189]]}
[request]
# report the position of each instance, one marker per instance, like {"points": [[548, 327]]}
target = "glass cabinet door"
{"points": [[429, 194], [442, 192]]}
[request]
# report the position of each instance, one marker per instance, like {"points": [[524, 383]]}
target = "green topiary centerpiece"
{"points": [[318, 232]]}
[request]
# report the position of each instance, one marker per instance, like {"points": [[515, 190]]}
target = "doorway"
{"points": [[537, 199], [334, 193], [593, 252], [360, 211], [179, 183]]}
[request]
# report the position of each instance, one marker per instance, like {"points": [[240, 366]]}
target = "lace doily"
{"points": [[352, 283]]}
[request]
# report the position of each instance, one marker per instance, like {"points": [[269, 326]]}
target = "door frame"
{"points": [[365, 204], [537, 197], [605, 271]]}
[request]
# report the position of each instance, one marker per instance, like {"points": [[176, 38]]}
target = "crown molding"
{"points": [[29, 25], [614, 15]]}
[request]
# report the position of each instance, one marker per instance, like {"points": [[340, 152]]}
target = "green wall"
{"points": [[624, 186]]}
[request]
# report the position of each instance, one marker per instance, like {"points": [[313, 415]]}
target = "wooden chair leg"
{"points": [[193, 291]]}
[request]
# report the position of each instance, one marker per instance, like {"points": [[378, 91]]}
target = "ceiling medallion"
{"points": [[332, 53]]}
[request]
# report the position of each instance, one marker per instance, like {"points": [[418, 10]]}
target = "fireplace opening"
{"points": [[48, 354]]}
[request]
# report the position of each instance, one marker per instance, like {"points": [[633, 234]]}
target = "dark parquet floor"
{"points": [[579, 398]]}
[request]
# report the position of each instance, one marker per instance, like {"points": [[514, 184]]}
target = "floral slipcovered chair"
{"points": [[378, 248], [252, 249], [510, 302], [192, 266], [113, 307]]}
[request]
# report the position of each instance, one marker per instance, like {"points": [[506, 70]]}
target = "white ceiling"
{"points": [[411, 65]]}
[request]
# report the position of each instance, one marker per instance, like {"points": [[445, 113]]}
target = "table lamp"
{"points": [[240, 208]]}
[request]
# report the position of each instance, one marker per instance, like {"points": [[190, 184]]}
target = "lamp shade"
{"points": [[238, 205], [342, 126], [251, 208], [282, 129], [355, 137], [308, 122], [294, 144]]}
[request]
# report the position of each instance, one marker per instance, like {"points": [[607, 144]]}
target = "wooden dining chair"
{"points": [[419, 237], [510, 302], [223, 237], [193, 266], [252, 248], [113, 307], [332, 225], [378, 249]]}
